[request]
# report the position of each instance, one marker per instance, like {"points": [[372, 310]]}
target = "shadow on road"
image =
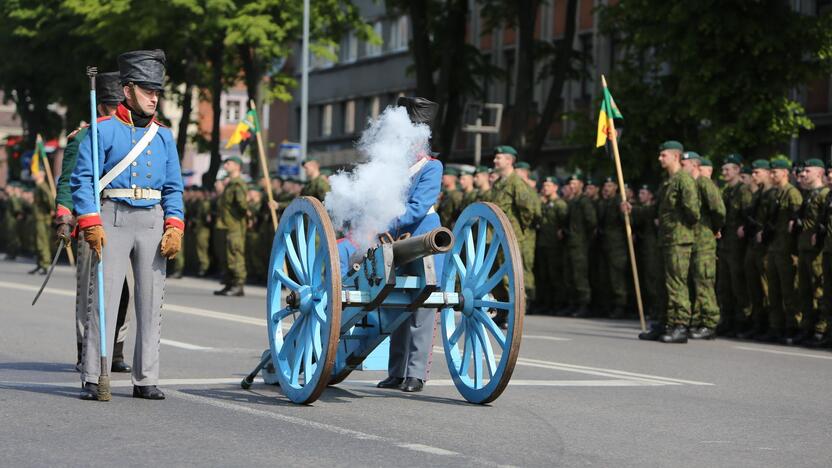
{"points": [[52, 367]]}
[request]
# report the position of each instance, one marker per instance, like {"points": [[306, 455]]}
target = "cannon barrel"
{"points": [[439, 240]]}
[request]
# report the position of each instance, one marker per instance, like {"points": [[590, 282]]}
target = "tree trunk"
{"points": [[562, 67], [448, 92], [421, 48], [217, 60], [524, 82], [182, 135]]}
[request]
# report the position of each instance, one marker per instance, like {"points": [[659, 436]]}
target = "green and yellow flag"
{"points": [[247, 127], [40, 153], [608, 110]]}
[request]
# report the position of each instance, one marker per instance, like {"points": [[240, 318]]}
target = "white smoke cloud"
{"points": [[366, 200]]}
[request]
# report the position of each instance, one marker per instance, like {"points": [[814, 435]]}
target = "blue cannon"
{"points": [[323, 323]]}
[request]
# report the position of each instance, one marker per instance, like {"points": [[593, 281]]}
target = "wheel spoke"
{"points": [[300, 233], [490, 304], [311, 251], [284, 278], [293, 256], [493, 249], [469, 249], [316, 338], [459, 266], [488, 352], [315, 274], [281, 314], [308, 349], [492, 327], [489, 284], [457, 332], [320, 311], [482, 231], [477, 355], [466, 350]]}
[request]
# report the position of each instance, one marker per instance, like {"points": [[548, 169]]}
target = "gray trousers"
{"points": [[132, 234], [410, 345], [86, 289]]}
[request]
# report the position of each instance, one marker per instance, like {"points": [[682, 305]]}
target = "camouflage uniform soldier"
{"points": [[550, 252], [450, 199], [201, 222], [483, 183], [233, 207], [513, 196], [782, 261], [42, 209], [732, 288], [648, 253], [583, 220], [613, 240], [678, 213], [12, 218], [823, 237], [705, 311], [318, 186], [529, 239], [756, 254], [809, 260], [255, 266], [469, 193]]}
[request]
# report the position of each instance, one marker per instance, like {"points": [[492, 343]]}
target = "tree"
{"points": [[723, 82]]}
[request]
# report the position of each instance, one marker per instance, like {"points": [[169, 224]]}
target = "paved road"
{"points": [[585, 393]]}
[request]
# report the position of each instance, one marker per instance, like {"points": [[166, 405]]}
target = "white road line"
{"points": [[180, 344], [214, 314], [543, 337], [785, 353], [26, 287], [323, 427]]}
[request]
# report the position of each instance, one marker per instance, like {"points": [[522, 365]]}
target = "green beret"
{"points": [[691, 155], [745, 170], [482, 169], [814, 162], [532, 176], [705, 162], [522, 165], [590, 181], [609, 179], [671, 145], [450, 171], [326, 172], [235, 159], [310, 160], [761, 164], [780, 163], [733, 159], [575, 176], [645, 187], [551, 179], [505, 149]]}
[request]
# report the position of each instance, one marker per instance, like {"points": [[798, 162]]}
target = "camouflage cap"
{"points": [[733, 158], [671, 145], [781, 163], [505, 149], [814, 162], [760, 164]]}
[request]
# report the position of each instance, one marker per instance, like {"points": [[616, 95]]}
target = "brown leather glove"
{"points": [[171, 242], [94, 235], [64, 224]]}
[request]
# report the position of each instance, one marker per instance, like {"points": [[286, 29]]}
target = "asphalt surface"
{"points": [[584, 393]]}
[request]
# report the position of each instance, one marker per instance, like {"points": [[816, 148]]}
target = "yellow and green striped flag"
{"points": [[608, 110], [40, 152]]}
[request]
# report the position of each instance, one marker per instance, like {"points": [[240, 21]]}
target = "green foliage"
{"points": [[718, 75]]}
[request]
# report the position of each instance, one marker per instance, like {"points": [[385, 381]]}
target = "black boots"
{"points": [[677, 334], [390, 382], [89, 392], [656, 330], [703, 333], [118, 364], [39, 270], [236, 291], [412, 385], [148, 392]]}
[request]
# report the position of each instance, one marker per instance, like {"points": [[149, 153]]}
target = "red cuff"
{"points": [[175, 223], [89, 220], [62, 211]]}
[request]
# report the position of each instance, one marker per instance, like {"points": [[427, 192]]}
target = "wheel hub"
{"points": [[467, 302]]}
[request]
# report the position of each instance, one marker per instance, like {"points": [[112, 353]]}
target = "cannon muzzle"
{"points": [[439, 240]]}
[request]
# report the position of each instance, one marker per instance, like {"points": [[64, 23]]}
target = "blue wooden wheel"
{"points": [[486, 269], [304, 300]]}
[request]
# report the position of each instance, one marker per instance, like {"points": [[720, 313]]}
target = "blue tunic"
{"points": [[157, 167]]}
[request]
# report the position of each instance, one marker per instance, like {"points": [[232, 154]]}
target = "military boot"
{"points": [[677, 334], [89, 392], [118, 364], [223, 291], [814, 341], [703, 333], [656, 330], [236, 291]]}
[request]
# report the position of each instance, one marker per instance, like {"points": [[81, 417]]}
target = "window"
{"points": [[349, 117], [232, 111], [350, 48], [317, 62], [326, 120], [399, 34], [374, 50], [375, 104]]}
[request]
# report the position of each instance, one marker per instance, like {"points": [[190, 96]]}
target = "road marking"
{"points": [[180, 344], [785, 353], [543, 337], [324, 427], [26, 287], [214, 314]]}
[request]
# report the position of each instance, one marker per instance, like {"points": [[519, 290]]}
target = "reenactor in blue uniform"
{"points": [[141, 218]]}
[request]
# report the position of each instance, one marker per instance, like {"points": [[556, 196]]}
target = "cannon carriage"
{"points": [[323, 323]]}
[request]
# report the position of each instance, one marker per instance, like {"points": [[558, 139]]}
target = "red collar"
{"points": [[123, 114]]}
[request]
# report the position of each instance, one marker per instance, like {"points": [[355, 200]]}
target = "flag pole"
{"points": [[621, 190], [48, 167], [264, 166]]}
